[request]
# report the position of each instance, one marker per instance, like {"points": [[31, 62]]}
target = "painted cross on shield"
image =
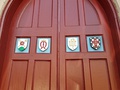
{"points": [[43, 44], [72, 43]]}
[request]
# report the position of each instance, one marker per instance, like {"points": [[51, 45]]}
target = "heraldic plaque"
{"points": [[22, 45], [95, 43], [43, 45], [72, 44]]}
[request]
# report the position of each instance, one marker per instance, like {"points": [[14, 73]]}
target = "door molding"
{"points": [[12, 6]]}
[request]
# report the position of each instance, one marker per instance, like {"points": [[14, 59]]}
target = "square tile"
{"points": [[95, 44], [72, 44], [22, 45], [43, 45]]}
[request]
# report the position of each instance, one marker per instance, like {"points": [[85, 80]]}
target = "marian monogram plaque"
{"points": [[43, 45], [72, 44]]}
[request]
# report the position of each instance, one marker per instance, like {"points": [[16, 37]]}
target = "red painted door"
{"points": [[62, 67], [87, 69], [32, 70]]}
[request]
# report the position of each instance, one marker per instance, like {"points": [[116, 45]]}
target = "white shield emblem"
{"points": [[22, 44], [43, 44], [72, 43], [95, 43]]}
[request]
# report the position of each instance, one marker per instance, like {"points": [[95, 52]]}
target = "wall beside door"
{"points": [[2, 5]]}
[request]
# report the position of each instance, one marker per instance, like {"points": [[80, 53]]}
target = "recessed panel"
{"points": [[22, 45], [71, 13], [74, 75], [27, 16], [18, 75], [72, 44], [100, 75], [45, 13], [95, 43], [42, 75], [43, 45], [91, 15]]}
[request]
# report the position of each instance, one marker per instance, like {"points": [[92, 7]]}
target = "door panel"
{"points": [[71, 63], [71, 12], [45, 13], [28, 11], [90, 13], [100, 75], [41, 79], [18, 75], [74, 75]]}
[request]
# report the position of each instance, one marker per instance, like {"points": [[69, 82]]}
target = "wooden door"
{"points": [[86, 69], [59, 66], [32, 69]]}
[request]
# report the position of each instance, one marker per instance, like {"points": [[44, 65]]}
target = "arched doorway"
{"points": [[69, 62]]}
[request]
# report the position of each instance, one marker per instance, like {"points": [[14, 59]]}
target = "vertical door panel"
{"points": [[71, 65], [71, 13], [18, 75], [45, 13], [26, 16], [42, 75], [74, 75], [91, 15], [100, 75]]}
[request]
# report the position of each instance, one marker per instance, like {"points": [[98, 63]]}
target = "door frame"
{"points": [[12, 6]]}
